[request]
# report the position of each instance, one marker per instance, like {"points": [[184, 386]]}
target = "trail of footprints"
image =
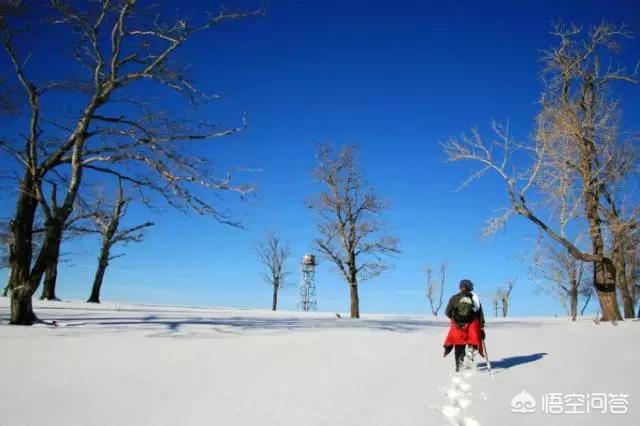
{"points": [[459, 399]]}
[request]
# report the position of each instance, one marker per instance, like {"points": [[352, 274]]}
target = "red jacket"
{"points": [[469, 334]]}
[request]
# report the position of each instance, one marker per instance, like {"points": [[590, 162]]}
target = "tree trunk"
{"points": [[274, 303], [352, 280], [627, 300], [103, 262], [573, 291], [574, 302], [355, 301], [619, 262], [97, 284], [21, 305], [22, 308], [604, 282], [54, 233], [604, 275], [49, 285], [22, 252], [28, 277], [632, 278]]}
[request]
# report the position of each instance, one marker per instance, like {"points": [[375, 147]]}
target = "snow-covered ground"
{"points": [[152, 365]]}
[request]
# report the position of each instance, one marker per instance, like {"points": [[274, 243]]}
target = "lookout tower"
{"points": [[307, 300]]}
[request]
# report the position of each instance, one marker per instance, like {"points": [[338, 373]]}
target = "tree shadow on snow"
{"points": [[506, 363], [174, 324], [185, 323]]}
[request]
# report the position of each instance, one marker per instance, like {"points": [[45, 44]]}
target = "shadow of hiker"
{"points": [[513, 361]]}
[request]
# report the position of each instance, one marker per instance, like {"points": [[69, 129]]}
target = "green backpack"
{"points": [[463, 310]]}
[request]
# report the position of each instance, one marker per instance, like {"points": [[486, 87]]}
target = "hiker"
{"points": [[467, 324]]}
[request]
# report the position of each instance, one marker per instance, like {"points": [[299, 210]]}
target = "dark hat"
{"points": [[466, 284]]}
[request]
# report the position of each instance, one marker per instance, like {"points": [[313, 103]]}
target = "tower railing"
{"points": [[307, 297]]}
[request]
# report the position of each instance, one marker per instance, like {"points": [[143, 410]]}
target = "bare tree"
{"points": [[560, 275], [616, 159], [576, 115], [273, 254], [501, 297], [496, 300], [349, 227], [505, 296], [117, 44], [436, 290], [107, 224]]}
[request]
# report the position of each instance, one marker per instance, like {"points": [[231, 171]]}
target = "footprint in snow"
{"points": [[450, 411], [470, 421], [464, 403], [459, 400]]}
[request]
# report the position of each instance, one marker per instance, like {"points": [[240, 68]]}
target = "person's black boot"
{"points": [[459, 357]]}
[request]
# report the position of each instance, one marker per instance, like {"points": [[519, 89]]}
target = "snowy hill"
{"points": [[151, 365]]}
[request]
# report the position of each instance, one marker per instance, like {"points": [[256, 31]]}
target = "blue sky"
{"points": [[396, 79]]}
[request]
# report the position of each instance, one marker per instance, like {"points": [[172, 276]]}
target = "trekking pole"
{"points": [[486, 355]]}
